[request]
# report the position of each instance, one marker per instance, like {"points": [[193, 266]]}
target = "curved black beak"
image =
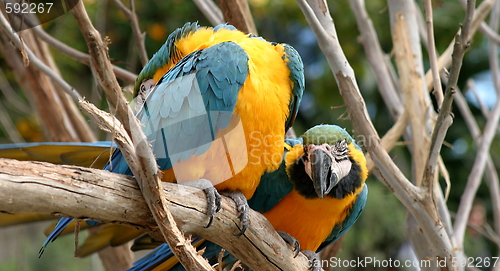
{"points": [[322, 175]]}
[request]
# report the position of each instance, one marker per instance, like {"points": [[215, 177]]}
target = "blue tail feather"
{"points": [[60, 226]]}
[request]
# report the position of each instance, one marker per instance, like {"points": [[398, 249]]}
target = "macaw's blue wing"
{"points": [[193, 101], [294, 63], [353, 215], [274, 185], [188, 106]]}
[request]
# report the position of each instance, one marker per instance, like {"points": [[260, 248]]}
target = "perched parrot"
{"points": [[216, 104], [315, 196], [302, 164]]}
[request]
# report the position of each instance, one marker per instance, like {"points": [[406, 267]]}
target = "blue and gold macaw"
{"points": [[307, 172], [315, 196], [216, 104]]}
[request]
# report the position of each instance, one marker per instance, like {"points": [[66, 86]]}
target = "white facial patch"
{"points": [[341, 165]]}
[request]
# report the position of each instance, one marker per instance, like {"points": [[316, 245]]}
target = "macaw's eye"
{"points": [[142, 93], [145, 87]]}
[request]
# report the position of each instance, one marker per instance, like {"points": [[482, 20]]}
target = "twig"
{"points": [[219, 260], [484, 28], [491, 173], [37, 62], [485, 230], [211, 11], [138, 35], [431, 48], [237, 264], [8, 92], [77, 55], [444, 120], [444, 60], [9, 127], [476, 173], [422, 28], [375, 57]]}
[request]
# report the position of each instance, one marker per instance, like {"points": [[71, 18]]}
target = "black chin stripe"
{"points": [[304, 185], [349, 183]]}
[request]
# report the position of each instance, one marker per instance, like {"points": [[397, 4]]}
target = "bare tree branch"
{"points": [[444, 60], [408, 10], [476, 173], [438, 91], [59, 118], [444, 120], [106, 197], [211, 11], [9, 127], [138, 35], [375, 56], [484, 28], [79, 56], [414, 199], [38, 63], [491, 172]]}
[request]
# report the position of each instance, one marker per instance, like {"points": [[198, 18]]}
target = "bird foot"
{"points": [[241, 206], [313, 259], [214, 199], [291, 241]]}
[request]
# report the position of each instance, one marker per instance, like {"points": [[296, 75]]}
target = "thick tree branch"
{"points": [[112, 198], [413, 96]]}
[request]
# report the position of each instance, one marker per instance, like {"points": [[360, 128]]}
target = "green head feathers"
{"points": [[163, 56], [169, 51], [324, 133]]}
